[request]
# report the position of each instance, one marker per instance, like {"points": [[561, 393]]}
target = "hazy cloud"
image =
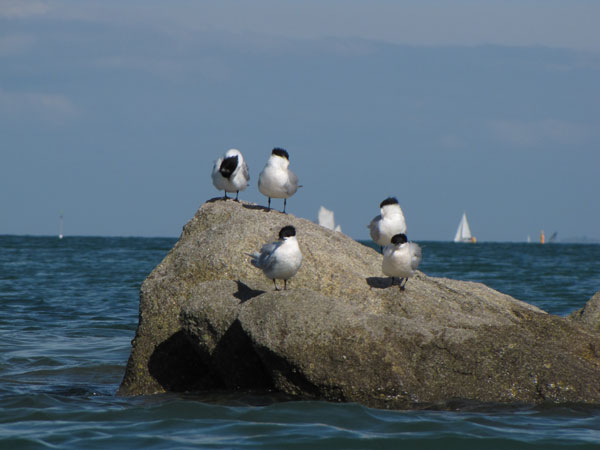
{"points": [[549, 23], [163, 67], [18, 9], [452, 141], [45, 106], [538, 133], [15, 44], [168, 68]]}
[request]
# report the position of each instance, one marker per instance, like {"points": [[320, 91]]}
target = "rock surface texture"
{"points": [[210, 320], [589, 315]]}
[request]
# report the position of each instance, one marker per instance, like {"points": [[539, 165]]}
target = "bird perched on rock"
{"points": [[401, 259], [388, 223], [276, 180], [279, 260], [230, 173]]}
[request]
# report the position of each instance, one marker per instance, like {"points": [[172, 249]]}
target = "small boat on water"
{"points": [[463, 233], [326, 219], [543, 239], [60, 226]]}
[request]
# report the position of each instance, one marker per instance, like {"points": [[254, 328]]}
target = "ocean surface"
{"points": [[69, 309]]}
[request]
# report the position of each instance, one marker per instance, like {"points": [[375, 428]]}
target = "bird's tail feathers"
{"points": [[254, 260]]}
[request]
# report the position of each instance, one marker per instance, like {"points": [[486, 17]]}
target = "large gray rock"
{"points": [[210, 320]]}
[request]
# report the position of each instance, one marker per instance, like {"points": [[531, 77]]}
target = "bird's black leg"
{"points": [[269, 207], [284, 202], [276, 288], [402, 285], [225, 198], [236, 195], [381, 249], [285, 285]]}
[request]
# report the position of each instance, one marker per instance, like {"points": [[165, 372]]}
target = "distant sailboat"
{"points": [[326, 219], [463, 233], [60, 227], [543, 239]]}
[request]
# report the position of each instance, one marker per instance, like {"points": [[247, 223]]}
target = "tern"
{"points": [[279, 260], [276, 180], [401, 259], [230, 173], [387, 224]]}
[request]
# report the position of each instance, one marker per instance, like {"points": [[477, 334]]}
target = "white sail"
{"points": [[463, 233], [60, 226], [326, 219]]}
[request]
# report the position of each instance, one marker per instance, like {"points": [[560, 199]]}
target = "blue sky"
{"points": [[114, 112]]}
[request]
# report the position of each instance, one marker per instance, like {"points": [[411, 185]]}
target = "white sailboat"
{"points": [[60, 227], [326, 219], [463, 233]]}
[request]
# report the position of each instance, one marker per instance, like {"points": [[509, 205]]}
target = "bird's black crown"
{"points": [[389, 201], [287, 231], [399, 239], [281, 152]]}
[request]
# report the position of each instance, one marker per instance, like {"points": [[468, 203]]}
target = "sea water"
{"points": [[69, 309]]}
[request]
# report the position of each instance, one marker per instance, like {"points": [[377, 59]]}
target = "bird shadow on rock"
{"points": [[257, 207], [379, 282], [216, 199], [245, 292]]}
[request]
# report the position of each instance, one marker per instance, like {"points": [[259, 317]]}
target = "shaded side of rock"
{"points": [[210, 321]]}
